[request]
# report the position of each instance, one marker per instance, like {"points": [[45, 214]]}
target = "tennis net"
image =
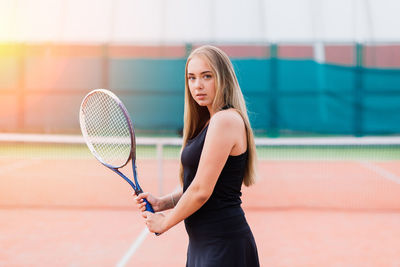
{"points": [[343, 173]]}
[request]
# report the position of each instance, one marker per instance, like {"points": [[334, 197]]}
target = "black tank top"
{"points": [[224, 201]]}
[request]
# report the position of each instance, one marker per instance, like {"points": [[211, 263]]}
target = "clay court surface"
{"points": [[76, 212]]}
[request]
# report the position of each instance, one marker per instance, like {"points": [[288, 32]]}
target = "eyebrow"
{"points": [[204, 72]]}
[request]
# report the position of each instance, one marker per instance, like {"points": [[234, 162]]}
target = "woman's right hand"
{"points": [[154, 201]]}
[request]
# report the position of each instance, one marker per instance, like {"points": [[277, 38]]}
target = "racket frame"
{"points": [[132, 155]]}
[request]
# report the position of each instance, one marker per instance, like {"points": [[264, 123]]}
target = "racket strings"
{"points": [[107, 129]]}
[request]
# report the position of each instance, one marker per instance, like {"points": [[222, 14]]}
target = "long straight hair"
{"points": [[228, 94]]}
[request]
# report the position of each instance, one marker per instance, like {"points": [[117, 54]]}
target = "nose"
{"points": [[198, 84]]}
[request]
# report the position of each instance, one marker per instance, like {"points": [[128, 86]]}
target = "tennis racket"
{"points": [[109, 134]]}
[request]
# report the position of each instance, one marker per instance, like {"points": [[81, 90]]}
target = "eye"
{"points": [[207, 76], [191, 78]]}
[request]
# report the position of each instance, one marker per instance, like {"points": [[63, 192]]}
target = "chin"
{"points": [[202, 104]]}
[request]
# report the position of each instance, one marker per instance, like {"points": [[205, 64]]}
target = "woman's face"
{"points": [[201, 81]]}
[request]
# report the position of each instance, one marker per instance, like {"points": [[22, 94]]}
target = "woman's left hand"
{"points": [[155, 222]]}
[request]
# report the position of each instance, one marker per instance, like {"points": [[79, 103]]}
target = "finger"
{"points": [[147, 214], [143, 195], [138, 202], [137, 197], [140, 206]]}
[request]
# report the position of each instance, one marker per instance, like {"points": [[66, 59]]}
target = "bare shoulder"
{"points": [[226, 134], [228, 119]]}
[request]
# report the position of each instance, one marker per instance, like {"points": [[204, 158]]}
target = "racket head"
{"points": [[107, 128]]}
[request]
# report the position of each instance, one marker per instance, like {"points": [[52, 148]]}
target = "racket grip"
{"points": [[149, 208]]}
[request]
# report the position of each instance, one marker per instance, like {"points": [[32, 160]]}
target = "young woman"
{"points": [[218, 156]]}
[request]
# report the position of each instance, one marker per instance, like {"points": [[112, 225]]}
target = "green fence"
{"points": [[283, 96]]}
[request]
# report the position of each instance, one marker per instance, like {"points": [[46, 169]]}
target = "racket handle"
{"points": [[149, 208]]}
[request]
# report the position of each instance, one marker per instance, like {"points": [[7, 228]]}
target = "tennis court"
{"points": [[318, 201], [321, 84]]}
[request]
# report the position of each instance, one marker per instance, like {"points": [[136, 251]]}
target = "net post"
{"points": [[160, 167]]}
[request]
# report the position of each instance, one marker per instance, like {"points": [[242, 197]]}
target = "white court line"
{"points": [[133, 248], [381, 171], [17, 165]]}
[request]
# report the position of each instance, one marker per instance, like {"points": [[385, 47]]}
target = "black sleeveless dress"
{"points": [[218, 232]]}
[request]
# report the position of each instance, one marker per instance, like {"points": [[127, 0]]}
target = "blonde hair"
{"points": [[228, 94]]}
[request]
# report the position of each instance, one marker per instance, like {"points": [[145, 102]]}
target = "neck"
{"points": [[211, 110]]}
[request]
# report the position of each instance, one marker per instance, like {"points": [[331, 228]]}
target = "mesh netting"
{"points": [[106, 128]]}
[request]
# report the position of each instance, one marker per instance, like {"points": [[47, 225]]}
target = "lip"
{"points": [[200, 95]]}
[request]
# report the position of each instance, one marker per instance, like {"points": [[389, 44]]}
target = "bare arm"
{"points": [[159, 203], [221, 138]]}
